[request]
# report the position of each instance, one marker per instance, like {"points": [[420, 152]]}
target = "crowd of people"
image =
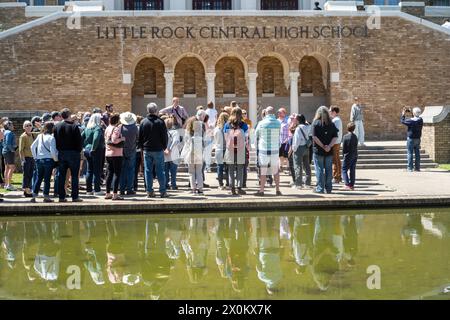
{"points": [[111, 150]]}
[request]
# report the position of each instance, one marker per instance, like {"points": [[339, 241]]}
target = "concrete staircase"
{"points": [[389, 156], [375, 155]]}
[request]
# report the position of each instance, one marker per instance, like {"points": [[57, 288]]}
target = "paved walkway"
{"points": [[374, 188]]}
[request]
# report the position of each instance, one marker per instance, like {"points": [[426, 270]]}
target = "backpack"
{"points": [[235, 139]]}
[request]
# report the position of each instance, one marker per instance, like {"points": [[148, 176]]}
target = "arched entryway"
{"points": [[271, 84], [148, 84], [190, 83], [313, 84], [230, 83]]}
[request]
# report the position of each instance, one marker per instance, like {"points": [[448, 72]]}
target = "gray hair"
{"points": [[323, 115], [152, 108], [94, 121], [270, 110], [25, 123], [417, 112], [7, 125]]}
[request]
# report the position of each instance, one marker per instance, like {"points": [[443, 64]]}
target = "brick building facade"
{"points": [[405, 62]]}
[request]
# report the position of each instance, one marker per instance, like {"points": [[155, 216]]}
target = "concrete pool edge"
{"points": [[198, 206]]}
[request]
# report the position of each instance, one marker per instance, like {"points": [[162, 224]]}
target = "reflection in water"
{"points": [[289, 257]]}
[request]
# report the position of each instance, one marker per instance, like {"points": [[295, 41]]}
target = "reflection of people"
{"points": [[268, 264], [10, 242], [350, 239], [195, 246], [328, 249], [302, 242], [446, 24], [357, 117], [239, 245], [155, 263], [412, 231], [317, 6]]}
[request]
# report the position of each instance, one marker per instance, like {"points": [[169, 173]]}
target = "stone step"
{"points": [[389, 161], [389, 156]]}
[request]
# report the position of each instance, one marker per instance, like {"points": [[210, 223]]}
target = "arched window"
{"points": [[228, 81], [268, 80], [150, 82], [279, 5], [189, 81], [307, 79], [211, 4]]}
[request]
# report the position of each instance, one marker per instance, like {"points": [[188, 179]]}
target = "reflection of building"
{"points": [[248, 55]]}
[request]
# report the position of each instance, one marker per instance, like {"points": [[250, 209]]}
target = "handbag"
{"points": [[308, 141], [110, 143]]}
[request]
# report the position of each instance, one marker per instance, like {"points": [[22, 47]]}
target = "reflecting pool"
{"points": [[293, 255]]}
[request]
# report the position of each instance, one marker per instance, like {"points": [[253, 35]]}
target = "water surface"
{"points": [[315, 255]]}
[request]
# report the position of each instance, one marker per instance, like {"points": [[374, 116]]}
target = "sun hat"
{"points": [[128, 118]]}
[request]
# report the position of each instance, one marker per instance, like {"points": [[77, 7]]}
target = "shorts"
{"points": [[284, 150], [9, 158], [269, 163]]}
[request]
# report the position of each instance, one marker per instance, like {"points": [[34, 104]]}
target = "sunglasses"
{"points": [[28, 125]]}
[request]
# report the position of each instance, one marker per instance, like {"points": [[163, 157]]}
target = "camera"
{"points": [[407, 110]]}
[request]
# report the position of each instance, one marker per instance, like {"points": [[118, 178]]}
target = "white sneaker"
{"points": [[90, 193], [10, 188], [99, 194]]}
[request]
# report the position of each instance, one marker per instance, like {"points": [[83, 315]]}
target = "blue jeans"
{"points": [[154, 158], [94, 170], [324, 172], [68, 160], [413, 146], [222, 173], [127, 176], [28, 172], [349, 165], [44, 169], [171, 167]]}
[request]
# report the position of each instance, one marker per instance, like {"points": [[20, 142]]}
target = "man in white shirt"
{"points": [[212, 118], [337, 167], [177, 111], [357, 117]]}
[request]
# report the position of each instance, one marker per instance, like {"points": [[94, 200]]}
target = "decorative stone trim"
{"points": [[435, 114], [411, 4], [12, 4]]}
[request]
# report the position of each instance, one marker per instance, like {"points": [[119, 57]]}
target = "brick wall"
{"points": [[311, 77], [184, 83], [270, 70], [49, 67], [149, 78], [435, 140], [223, 77], [12, 16]]}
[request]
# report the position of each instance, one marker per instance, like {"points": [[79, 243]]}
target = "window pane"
{"points": [[279, 4], [211, 5], [144, 4]]}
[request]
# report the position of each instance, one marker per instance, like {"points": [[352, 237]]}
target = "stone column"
{"points": [[252, 97], [211, 88], [294, 91], [169, 87]]}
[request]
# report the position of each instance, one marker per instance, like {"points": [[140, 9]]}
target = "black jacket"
{"points": [[68, 137], [153, 134]]}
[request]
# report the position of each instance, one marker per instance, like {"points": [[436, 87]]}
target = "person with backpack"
{"points": [[301, 142], [45, 156], [236, 141], [94, 144], [114, 156], [192, 153], [220, 148], [26, 158]]}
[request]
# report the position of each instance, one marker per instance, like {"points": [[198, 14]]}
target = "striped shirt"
{"points": [[284, 133]]}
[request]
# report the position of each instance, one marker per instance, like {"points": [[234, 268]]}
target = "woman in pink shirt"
{"points": [[114, 155]]}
